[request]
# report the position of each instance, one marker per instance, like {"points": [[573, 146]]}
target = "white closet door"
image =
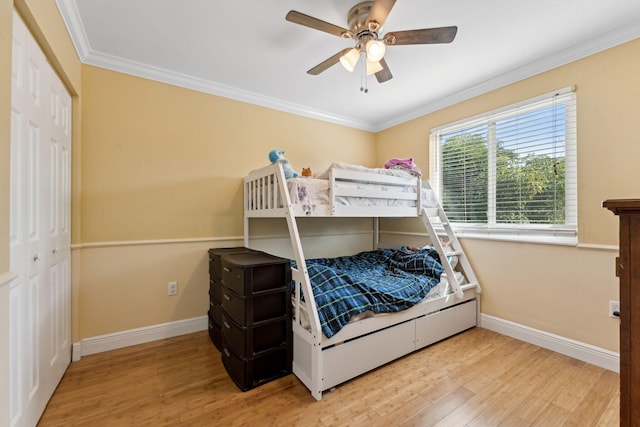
{"points": [[39, 227], [58, 217]]}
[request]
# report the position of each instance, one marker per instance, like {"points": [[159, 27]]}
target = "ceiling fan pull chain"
{"points": [[363, 77]]}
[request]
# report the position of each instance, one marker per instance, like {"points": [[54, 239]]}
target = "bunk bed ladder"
{"points": [[441, 221], [303, 286]]}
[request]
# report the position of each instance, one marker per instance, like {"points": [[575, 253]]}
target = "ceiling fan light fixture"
{"points": [[375, 50], [350, 59], [365, 21], [373, 67]]}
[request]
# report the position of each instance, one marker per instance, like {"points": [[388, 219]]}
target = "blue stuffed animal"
{"points": [[278, 156]]}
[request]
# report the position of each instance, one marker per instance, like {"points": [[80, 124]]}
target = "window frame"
{"points": [[561, 234]]}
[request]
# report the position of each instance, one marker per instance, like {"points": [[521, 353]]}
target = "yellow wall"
{"points": [[162, 170], [162, 162], [562, 290]]}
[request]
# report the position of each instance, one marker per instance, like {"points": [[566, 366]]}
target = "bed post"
{"points": [[376, 232]]}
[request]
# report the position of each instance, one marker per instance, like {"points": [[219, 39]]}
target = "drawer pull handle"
{"points": [[227, 325], [226, 351], [227, 297], [227, 269]]}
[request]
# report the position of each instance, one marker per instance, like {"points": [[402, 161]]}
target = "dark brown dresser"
{"points": [[256, 331], [628, 270], [215, 291]]}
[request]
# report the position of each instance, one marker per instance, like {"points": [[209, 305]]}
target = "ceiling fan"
{"points": [[365, 20]]}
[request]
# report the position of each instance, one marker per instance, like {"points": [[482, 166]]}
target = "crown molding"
{"points": [[71, 18], [205, 86], [576, 52]]}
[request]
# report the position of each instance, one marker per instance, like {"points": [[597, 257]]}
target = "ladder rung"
{"points": [[440, 226], [468, 286], [440, 223]]}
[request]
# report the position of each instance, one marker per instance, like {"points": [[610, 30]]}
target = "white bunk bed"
{"points": [[362, 345]]}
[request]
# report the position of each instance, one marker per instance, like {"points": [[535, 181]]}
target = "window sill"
{"points": [[547, 237]]}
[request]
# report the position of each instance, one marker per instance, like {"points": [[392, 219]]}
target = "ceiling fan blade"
{"points": [[317, 24], [329, 62], [384, 74], [425, 36], [378, 14]]}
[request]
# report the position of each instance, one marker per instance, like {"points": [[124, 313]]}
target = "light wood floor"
{"points": [[477, 378]]}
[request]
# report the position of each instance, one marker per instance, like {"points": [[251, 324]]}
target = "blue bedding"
{"points": [[381, 281]]}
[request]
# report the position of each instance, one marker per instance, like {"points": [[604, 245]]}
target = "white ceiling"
{"points": [[245, 50]]}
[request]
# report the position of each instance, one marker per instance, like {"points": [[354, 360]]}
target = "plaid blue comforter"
{"points": [[381, 281]]}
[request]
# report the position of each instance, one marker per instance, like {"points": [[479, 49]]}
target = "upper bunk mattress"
{"points": [[314, 192], [342, 190]]}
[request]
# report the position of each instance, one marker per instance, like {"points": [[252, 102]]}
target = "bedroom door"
{"points": [[40, 338]]}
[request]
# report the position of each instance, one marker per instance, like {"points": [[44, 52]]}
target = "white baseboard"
{"points": [[98, 344], [578, 350]]}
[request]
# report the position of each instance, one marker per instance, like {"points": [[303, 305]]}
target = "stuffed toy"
{"points": [[306, 172], [277, 156]]}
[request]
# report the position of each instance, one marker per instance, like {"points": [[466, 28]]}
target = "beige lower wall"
{"points": [[560, 290], [124, 285], [557, 289]]}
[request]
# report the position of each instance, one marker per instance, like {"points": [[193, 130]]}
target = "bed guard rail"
{"points": [[263, 195]]}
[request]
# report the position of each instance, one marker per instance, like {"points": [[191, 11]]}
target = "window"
{"points": [[511, 173]]}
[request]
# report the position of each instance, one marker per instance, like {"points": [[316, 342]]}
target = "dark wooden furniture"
{"points": [[256, 318], [215, 291], [628, 270]]}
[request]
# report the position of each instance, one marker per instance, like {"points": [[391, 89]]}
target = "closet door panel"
{"points": [[28, 247], [16, 338], [17, 244], [39, 229], [59, 222]]}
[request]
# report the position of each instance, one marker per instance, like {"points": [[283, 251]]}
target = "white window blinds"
{"points": [[511, 170]]}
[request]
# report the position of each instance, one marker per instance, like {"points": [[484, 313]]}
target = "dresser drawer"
{"points": [[215, 334], [215, 289], [249, 341], [215, 259], [248, 373], [263, 306], [247, 274], [215, 311]]}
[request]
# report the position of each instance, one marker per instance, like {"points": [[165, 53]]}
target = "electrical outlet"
{"points": [[172, 288], [614, 307]]}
